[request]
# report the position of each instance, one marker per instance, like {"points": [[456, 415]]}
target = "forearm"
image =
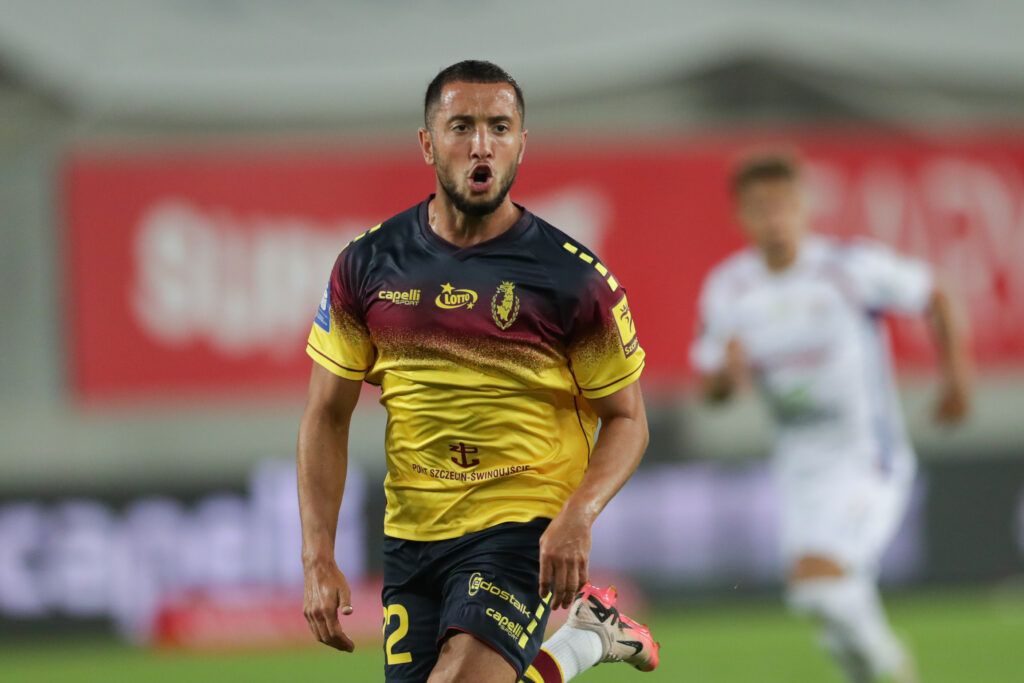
{"points": [[322, 466], [619, 448], [949, 337], [717, 387], [565, 544]]}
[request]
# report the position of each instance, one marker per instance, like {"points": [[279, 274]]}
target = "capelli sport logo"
{"points": [[455, 298], [410, 297]]}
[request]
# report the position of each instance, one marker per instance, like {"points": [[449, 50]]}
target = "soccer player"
{"points": [[498, 344], [801, 315]]}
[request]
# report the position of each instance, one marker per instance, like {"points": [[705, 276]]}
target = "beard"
{"points": [[464, 203]]}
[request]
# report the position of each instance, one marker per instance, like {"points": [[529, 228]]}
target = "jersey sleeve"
{"points": [[339, 339], [889, 281], [714, 327], [603, 346]]}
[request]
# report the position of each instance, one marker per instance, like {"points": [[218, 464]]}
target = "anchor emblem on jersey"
{"points": [[464, 450]]}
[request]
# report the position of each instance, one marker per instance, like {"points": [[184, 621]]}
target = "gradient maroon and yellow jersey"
{"points": [[486, 356]]}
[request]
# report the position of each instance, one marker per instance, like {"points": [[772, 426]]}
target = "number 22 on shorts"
{"points": [[403, 627]]}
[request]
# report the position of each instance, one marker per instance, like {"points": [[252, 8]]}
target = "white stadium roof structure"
{"points": [[268, 62]]}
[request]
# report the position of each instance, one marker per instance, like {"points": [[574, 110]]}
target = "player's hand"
{"points": [[954, 403], [733, 376], [564, 558], [326, 592], [736, 363]]}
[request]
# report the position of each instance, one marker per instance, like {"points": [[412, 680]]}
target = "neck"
{"points": [[780, 259], [464, 230]]}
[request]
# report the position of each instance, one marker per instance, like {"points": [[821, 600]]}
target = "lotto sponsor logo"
{"points": [[513, 628], [409, 297], [477, 583], [450, 297]]}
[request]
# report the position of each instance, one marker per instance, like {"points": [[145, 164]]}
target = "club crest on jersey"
{"points": [[505, 305], [455, 298], [627, 331], [323, 314]]}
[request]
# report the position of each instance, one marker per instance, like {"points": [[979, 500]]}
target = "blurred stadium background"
{"points": [[177, 176]]}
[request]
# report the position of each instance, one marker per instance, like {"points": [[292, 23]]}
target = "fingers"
{"points": [[576, 579], [321, 612], [314, 626], [554, 576], [951, 408], [342, 642], [582, 576], [560, 583], [325, 626], [336, 638], [545, 576], [564, 550], [339, 640], [570, 574]]}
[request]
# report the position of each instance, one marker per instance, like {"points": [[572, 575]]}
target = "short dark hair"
{"points": [[469, 71], [764, 166]]}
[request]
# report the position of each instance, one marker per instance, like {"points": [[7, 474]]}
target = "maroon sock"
{"points": [[547, 667]]}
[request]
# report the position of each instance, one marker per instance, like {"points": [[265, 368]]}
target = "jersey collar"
{"points": [[510, 235]]}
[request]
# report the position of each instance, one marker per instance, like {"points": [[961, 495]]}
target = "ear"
{"points": [[522, 147], [427, 146]]}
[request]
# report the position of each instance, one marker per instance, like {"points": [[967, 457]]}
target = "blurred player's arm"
{"points": [[565, 545], [891, 282], [950, 338], [719, 386], [322, 465], [717, 355]]}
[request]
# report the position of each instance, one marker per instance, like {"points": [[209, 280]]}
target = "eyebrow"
{"points": [[501, 118]]}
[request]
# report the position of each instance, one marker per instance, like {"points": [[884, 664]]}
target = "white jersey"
{"points": [[818, 347]]}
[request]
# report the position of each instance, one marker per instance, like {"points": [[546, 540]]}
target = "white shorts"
{"points": [[848, 514]]}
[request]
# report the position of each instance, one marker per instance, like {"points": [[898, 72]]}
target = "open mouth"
{"points": [[480, 178]]}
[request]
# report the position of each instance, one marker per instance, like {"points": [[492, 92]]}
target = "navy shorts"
{"points": [[484, 584]]}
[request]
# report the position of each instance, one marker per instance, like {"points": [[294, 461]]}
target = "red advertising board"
{"points": [[198, 274]]}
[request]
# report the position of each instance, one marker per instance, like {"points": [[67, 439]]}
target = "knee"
{"points": [[451, 664], [463, 658], [829, 599], [815, 567], [815, 586]]}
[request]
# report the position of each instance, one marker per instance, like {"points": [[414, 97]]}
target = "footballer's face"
{"points": [[774, 218], [475, 143]]}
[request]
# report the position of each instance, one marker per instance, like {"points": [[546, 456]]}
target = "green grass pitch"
{"points": [[958, 637]]}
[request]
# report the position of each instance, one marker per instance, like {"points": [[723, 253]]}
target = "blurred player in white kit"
{"points": [[801, 316]]}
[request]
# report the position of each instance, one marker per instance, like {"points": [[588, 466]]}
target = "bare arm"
{"points": [[322, 464], [720, 386], [951, 346], [565, 545]]}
